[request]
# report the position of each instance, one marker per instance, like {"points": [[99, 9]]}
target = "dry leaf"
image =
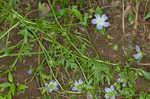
{"points": [[46, 10]]}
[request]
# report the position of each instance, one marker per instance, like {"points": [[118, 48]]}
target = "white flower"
{"points": [[77, 85], [137, 48], [138, 54], [100, 21], [51, 86], [107, 97], [109, 90], [30, 70]]}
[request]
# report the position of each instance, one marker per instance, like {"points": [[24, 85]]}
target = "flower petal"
{"points": [[56, 89], [120, 80], [93, 21], [75, 82], [119, 74], [112, 87], [107, 89], [96, 15], [55, 83], [123, 84], [106, 24], [50, 90], [74, 88], [104, 17], [51, 81], [137, 56], [80, 81], [137, 48], [29, 71], [106, 96], [46, 84], [79, 90], [99, 26], [113, 97]]}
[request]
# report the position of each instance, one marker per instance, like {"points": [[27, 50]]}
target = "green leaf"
{"points": [[13, 2], [109, 36], [5, 85], [130, 18], [2, 97], [115, 47], [64, 2], [99, 11], [102, 31], [12, 89], [9, 96], [76, 13], [10, 77], [60, 13], [22, 87], [134, 1], [147, 16], [146, 74]]}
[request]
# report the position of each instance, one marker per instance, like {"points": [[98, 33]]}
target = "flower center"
{"points": [[100, 21], [78, 86], [52, 86]]}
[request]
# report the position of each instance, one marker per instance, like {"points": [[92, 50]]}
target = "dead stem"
{"points": [[137, 13], [144, 64], [146, 5], [123, 16]]}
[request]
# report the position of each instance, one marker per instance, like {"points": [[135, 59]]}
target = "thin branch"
{"points": [[123, 16], [137, 13]]}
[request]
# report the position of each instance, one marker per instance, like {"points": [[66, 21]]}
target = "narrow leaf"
{"points": [[22, 87], [77, 13], [5, 85], [147, 16], [10, 77]]}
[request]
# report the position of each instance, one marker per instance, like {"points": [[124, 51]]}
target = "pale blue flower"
{"points": [[137, 48], [30, 70], [107, 97], [77, 85], [138, 54], [100, 21], [51, 86], [109, 90]]}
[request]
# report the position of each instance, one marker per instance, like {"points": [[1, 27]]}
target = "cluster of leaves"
{"points": [[11, 88]]}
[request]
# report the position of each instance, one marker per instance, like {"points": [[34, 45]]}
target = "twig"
{"points": [[146, 5], [137, 13], [144, 64], [123, 15]]}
